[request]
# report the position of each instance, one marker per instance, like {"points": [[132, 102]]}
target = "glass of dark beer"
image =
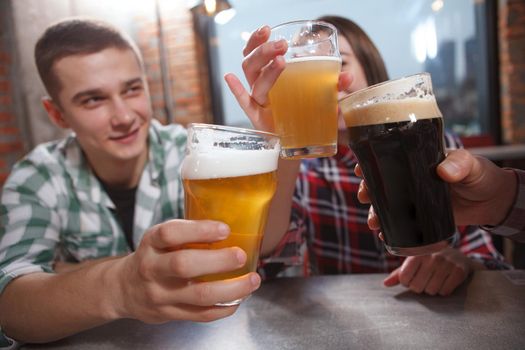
{"points": [[396, 132]]}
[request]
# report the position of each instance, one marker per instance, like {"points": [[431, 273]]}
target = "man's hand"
{"points": [[440, 273], [481, 193], [156, 283]]}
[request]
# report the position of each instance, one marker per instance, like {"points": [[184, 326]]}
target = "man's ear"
{"points": [[54, 112]]}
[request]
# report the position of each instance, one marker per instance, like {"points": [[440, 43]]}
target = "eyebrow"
{"points": [[92, 92]]}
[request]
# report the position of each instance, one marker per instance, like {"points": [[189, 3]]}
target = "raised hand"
{"points": [[263, 63]]}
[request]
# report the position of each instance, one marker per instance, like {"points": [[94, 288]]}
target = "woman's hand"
{"points": [[263, 63], [440, 273]]}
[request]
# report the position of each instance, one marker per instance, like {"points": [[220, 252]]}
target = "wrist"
{"points": [[114, 285], [475, 265], [506, 196]]}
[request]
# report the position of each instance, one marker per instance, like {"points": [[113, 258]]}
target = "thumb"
{"points": [[392, 279], [458, 165]]}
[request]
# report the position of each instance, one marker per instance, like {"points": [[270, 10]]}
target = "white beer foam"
{"points": [[312, 58], [229, 163], [408, 109]]}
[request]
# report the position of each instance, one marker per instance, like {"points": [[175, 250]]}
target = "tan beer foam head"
{"points": [[405, 99], [410, 109]]}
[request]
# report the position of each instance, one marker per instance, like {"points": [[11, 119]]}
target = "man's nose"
{"points": [[121, 113]]}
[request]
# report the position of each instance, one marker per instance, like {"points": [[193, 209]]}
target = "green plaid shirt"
{"points": [[54, 209]]}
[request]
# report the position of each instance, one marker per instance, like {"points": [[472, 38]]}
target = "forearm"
{"points": [[62, 267], [281, 206], [513, 225], [476, 265], [43, 307]]}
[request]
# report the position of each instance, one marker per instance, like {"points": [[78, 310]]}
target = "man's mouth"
{"points": [[125, 137]]}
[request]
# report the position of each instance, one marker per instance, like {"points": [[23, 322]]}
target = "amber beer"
{"points": [[240, 201], [304, 97], [396, 132], [304, 104], [229, 175]]}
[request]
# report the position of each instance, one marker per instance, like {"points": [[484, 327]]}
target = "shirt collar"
{"points": [[156, 151], [84, 181], [83, 178]]}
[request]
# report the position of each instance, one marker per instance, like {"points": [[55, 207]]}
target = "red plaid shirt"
{"points": [[329, 234]]}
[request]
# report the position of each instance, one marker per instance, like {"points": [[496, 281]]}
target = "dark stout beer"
{"points": [[399, 144]]}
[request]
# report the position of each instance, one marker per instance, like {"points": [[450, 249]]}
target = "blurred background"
{"points": [[474, 49]]}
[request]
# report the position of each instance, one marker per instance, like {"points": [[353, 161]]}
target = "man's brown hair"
{"points": [[75, 36]]}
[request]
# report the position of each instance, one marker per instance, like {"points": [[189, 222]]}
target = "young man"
{"points": [[91, 227]]}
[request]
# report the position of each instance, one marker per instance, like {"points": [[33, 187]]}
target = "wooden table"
{"points": [[340, 312]]}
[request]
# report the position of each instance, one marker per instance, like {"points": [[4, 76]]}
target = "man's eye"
{"points": [[92, 101], [133, 89]]}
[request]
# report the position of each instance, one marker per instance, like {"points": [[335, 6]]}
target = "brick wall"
{"points": [[11, 146], [512, 69], [184, 63]]}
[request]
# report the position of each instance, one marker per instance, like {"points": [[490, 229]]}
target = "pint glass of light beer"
{"points": [[304, 97], [396, 132], [229, 175]]}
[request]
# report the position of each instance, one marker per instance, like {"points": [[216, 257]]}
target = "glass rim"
{"points": [[236, 129], [387, 82], [314, 21]]}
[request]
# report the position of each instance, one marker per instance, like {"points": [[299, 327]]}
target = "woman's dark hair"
{"points": [[364, 49]]}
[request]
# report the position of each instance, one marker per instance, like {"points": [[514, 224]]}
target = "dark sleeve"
{"points": [[513, 227]]}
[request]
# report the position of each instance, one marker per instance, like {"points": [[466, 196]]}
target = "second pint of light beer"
{"points": [[304, 105], [304, 97], [232, 181]]}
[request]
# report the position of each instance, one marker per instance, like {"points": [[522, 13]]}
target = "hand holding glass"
{"points": [[396, 131], [304, 97]]}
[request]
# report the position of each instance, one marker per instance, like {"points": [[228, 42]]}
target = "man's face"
{"points": [[104, 99]]}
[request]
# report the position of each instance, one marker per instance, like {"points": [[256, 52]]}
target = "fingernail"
{"points": [[450, 167], [224, 230], [278, 44], [260, 31], [255, 280], [241, 257]]}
